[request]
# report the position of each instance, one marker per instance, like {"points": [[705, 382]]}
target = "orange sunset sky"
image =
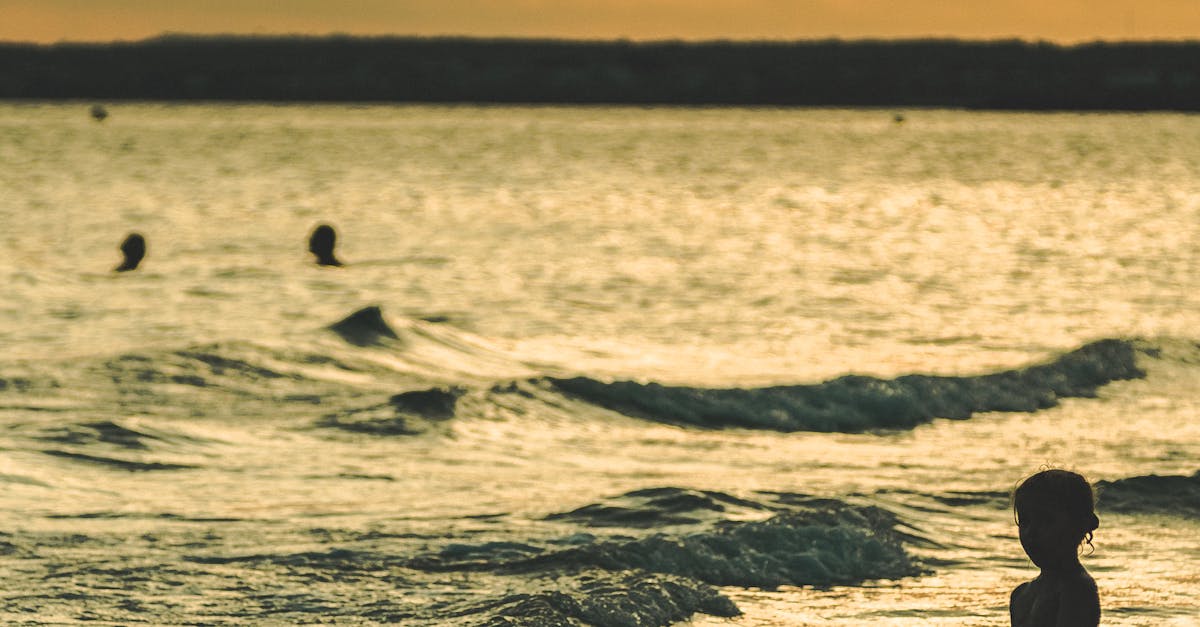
{"points": [[1065, 21]]}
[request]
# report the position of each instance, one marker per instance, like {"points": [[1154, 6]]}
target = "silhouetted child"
{"points": [[134, 249], [321, 243], [1055, 513]]}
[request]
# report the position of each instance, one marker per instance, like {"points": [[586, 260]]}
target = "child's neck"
{"points": [[1062, 567]]}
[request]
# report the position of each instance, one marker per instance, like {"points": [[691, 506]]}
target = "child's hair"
{"points": [[1067, 490]]}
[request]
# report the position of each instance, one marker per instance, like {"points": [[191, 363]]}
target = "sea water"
{"points": [[625, 366]]}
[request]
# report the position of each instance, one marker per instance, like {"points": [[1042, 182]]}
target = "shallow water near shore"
{"points": [[645, 366]]}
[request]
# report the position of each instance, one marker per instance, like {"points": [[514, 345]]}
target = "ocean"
{"points": [[590, 365]]}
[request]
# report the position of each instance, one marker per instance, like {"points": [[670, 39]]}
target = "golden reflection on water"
{"points": [[717, 247]]}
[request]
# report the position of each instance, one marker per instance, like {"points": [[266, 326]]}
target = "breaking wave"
{"points": [[628, 599], [859, 403], [664, 551], [407, 413], [791, 540], [1174, 495], [324, 383]]}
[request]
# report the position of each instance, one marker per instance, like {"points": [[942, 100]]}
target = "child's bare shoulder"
{"points": [[1020, 591], [1064, 600], [1079, 585], [1021, 601], [1079, 600]]}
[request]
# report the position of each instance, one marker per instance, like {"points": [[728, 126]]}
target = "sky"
{"points": [[1062, 21]]}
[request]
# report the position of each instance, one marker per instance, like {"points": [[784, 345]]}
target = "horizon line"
{"points": [[174, 35]]}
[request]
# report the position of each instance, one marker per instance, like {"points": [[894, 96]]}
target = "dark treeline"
{"points": [[1000, 75]]}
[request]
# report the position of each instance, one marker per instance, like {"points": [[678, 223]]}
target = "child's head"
{"points": [[1055, 510]]}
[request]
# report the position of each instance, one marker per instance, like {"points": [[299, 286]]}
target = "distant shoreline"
{"points": [[1000, 75]]}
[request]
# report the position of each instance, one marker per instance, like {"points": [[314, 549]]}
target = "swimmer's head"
{"points": [[1056, 511], [321, 244], [133, 249]]}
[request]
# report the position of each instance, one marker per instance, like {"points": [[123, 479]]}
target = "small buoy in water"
{"points": [[321, 244], [99, 113], [134, 249]]}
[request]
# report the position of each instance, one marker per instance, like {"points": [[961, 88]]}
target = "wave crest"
{"points": [[858, 403], [365, 327], [1174, 495], [793, 540], [618, 600], [408, 413]]}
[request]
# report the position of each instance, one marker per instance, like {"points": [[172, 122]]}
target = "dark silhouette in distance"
{"points": [[898, 74], [133, 249], [99, 112], [321, 244]]}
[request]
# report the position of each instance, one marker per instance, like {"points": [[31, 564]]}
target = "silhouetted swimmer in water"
{"points": [[99, 113], [1055, 512], [134, 249], [321, 244]]}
